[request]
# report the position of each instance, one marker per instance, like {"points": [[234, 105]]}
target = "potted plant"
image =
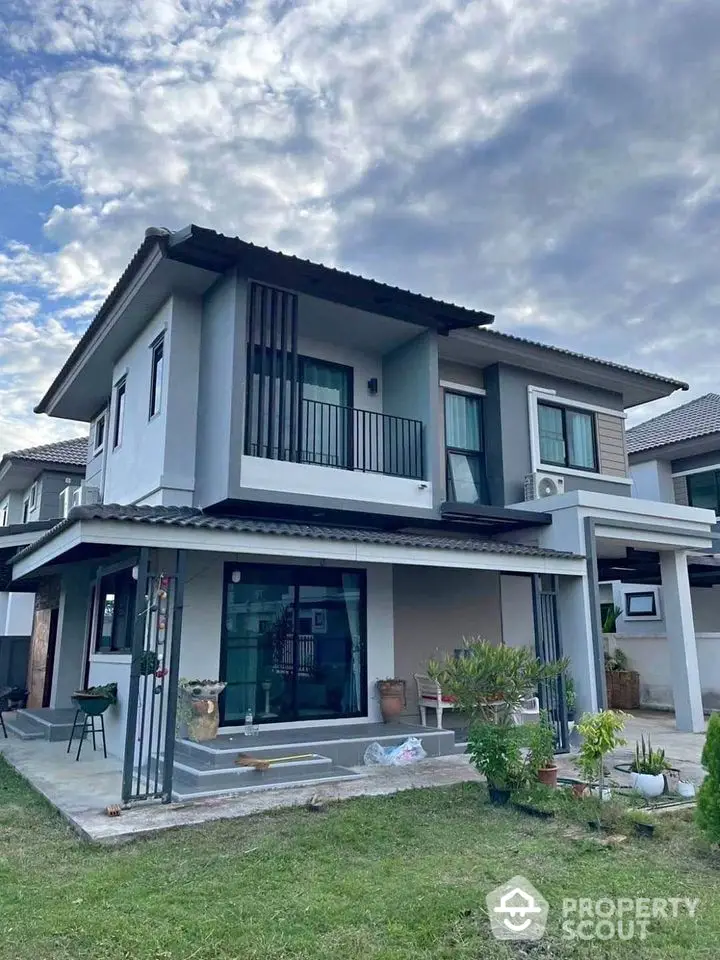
{"points": [[148, 662], [541, 743], [609, 624], [198, 709], [600, 736], [95, 700], [495, 751], [491, 682], [647, 769], [392, 697], [623, 684]]}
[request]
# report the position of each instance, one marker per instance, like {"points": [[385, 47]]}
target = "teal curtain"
{"points": [[462, 422], [580, 440], [552, 439]]}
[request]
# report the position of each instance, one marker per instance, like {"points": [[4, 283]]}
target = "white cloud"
{"points": [[552, 161]]}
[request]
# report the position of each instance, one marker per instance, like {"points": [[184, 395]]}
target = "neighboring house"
{"points": [[31, 485], [674, 457], [309, 481]]}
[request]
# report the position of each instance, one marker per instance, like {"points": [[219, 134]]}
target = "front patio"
{"points": [[81, 791]]}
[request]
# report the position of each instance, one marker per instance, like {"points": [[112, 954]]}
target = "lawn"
{"points": [[395, 877]]}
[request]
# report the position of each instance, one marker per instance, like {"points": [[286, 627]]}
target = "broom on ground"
{"points": [[247, 760]]}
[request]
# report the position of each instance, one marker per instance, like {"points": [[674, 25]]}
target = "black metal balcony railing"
{"points": [[343, 437]]}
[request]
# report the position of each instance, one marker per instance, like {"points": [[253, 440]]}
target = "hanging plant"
{"points": [[149, 663]]}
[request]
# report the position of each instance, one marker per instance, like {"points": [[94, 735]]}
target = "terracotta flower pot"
{"points": [[548, 775], [392, 698]]}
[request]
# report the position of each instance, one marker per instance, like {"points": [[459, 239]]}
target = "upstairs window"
{"points": [[156, 376], [33, 495], [4, 515], [99, 434], [465, 449], [567, 437], [26, 510], [119, 421], [704, 490]]}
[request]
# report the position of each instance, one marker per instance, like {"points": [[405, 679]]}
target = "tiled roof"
{"points": [[678, 384], [66, 452], [196, 519], [694, 419]]}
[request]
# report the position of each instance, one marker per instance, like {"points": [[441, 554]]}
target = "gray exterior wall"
{"points": [[508, 443], [461, 373], [410, 389], [221, 398], [155, 461], [653, 480], [14, 501], [696, 462], [433, 610]]}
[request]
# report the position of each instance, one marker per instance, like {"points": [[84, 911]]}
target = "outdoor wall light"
{"points": [[373, 386]]}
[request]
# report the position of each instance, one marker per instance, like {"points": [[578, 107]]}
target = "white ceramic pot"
{"points": [[685, 788], [606, 794], [648, 784]]}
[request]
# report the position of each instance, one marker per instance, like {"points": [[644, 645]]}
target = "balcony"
{"points": [[346, 438]]}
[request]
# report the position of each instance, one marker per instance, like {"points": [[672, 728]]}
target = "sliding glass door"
{"points": [[293, 645]]}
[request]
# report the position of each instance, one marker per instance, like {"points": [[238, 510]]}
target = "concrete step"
{"points": [[229, 784], [49, 723], [346, 748], [208, 778], [25, 729]]}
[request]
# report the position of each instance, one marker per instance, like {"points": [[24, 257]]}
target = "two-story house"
{"points": [[309, 481], [675, 458], [31, 481]]}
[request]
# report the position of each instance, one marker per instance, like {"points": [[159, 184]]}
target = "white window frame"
{"points": [[4, 513], [33, 494], [537, 394], [118, 422], [99, 447]]}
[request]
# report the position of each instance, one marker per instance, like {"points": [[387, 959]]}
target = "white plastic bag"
{"points": [[409, 751]]}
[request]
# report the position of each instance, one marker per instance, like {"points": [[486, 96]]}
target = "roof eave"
{"points": [[209, 250]]}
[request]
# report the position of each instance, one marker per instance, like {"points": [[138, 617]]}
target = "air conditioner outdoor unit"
{"points": [[85, 496], [540, 485]]}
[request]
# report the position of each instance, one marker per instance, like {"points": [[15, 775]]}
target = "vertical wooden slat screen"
{"points": [[272, 358]]}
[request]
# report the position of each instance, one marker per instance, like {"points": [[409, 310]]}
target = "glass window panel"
{"points": [[581, 440], [552, 438], [462, 422], [294, 644], [466, 482], [640, 604], [703, 490]]}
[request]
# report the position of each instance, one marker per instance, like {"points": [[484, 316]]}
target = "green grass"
{"points": [[396, 877]]}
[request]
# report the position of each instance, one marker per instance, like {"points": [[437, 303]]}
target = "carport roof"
{"points": [[189, 517]]}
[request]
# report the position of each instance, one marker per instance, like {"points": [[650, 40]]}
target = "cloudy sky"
{"points": [[554, 162]]}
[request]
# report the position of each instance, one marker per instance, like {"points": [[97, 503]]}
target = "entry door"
{"points": [[326, 413], [293, 644]]}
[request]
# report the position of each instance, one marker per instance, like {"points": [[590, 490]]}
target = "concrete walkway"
{"points": [[82, 790]]}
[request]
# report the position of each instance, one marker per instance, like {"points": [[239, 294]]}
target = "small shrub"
{"points": [[708, 801], [495, 751], [601, 735], [647, 760]]}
